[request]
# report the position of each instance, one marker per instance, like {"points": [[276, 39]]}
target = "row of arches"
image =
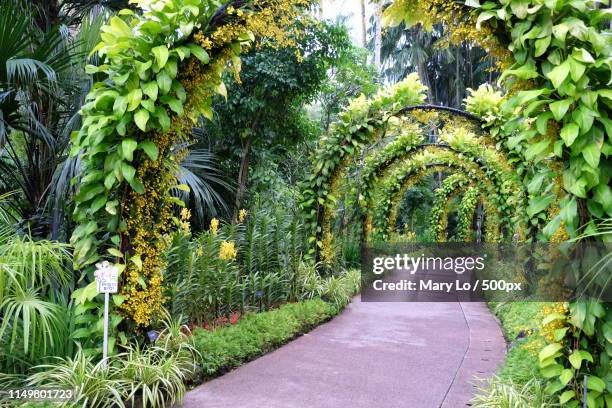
{"points": [[384, 146]]}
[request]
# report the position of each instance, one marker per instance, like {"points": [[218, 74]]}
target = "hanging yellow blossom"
{"points": [[228, 251], [185, 214], [242, 215], [214, 226]]}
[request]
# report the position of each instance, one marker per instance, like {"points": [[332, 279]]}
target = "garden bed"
{"points": [[518, 380], [226, 348]]}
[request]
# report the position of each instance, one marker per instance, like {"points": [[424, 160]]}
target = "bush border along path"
{"points": [[256, 334]]}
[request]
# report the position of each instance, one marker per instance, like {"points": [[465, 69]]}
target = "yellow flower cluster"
{"points": [[548, 330], [328, 250], [242, 215], [184, 224], [227, 251], [148, 223], [214, 226]]}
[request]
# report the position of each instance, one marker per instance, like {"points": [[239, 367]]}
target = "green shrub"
{"points": [[34, 279], [501, 393], [518, 383], [228, 347], [141, 377]]}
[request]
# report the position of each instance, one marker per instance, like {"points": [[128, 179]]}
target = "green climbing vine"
{"points": [[554, 125], [451, 186], [160, 67], [465, 214], [360, 124]]}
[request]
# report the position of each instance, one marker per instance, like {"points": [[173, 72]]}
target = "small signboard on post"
{"points": [[107, 278], [107, 281]]}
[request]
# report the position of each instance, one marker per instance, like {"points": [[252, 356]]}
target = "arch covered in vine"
{"points": [[384, 132], [432, 159]]}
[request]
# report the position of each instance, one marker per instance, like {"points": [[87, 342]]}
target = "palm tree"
{"points": [[41, 87], [448, 70], [377, 35], [364, 31]]}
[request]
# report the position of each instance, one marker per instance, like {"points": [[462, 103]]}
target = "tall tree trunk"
{"points": [[364, 33], [243, 177], [378, 37], [422, 71], [458, 91]]}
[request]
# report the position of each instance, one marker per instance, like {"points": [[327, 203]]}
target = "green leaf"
{"points": [[137, 261], [118, 300], [111, 207], [199, 53], [97, 204], [150, 149], [85, 294], [150, 89], [559, 74], [576, 69], [542, 122], [526, 71], [603, 195], [519, 8], [164, 82], [161, 55], [575, 359], [127, 148], [119, 27], [162, 118], [134, 98], [537, 149], [569, 133], [174, 104], [541, 45], [553, 370], [595, 383], [566, 376], [552, 317], [549, 351], [591, 153], [559, 108], [566, 396], [539, 204], [141, 118], [128, 172], [120, 105], [115, 252], [582, 55]]}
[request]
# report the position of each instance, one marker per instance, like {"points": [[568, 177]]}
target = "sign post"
{"points": [[107, 281]]}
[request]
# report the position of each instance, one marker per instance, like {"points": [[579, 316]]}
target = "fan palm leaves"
{"points": [[40, 84], [208, 186]]}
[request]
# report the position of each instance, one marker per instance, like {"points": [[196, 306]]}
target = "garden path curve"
{"points": [[373, 355]]}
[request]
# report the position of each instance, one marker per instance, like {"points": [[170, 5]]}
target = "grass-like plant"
{"points": [[32, 304], [501, 393]]}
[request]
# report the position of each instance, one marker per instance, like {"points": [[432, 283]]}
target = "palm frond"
{"points": [[200, 172]]}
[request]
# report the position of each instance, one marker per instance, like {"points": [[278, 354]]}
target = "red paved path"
{"points": [[374, 355]]}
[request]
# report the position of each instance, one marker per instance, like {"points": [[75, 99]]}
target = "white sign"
{"points": [[107, 277]]}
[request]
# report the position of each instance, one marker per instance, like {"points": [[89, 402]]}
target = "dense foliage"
{"points": [[554, 125]]}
